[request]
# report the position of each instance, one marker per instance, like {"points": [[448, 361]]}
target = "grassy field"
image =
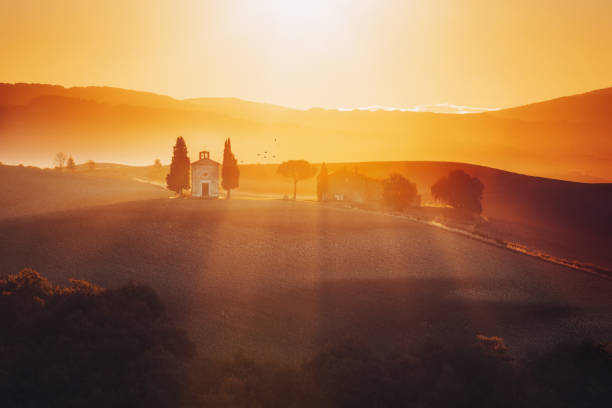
{"points": [[563, 219], [567, 220], [30, 190], [278, 279]]}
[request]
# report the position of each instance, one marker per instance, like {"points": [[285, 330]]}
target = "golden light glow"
{"points": [[315, 53], [403, 55]]}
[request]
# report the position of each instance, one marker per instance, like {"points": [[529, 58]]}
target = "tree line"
{"points": [[65, 161], [457, 189]]}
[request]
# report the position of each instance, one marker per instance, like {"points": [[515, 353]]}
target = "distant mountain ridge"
{"points": [[23, 94], [434, 108], [586, 106], [569, 137], [594, 106]]}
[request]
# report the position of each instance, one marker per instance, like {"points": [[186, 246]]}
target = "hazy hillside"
{"points": [[278, 280], [565, 219], [589, 107], [33, 191], [241, 109], [507, 195], [22, 94], [566, 138]]}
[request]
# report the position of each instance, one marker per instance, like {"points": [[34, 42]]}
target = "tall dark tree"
{"points": [[230, 172], [178, 178], [296, 170], [322, 183], [459, 190], [398, 192]]}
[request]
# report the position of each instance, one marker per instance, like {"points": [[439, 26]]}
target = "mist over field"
{"points": [[312, 270], [564, 138], [305, 203]]}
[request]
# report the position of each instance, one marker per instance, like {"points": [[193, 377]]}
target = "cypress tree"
{"points": [[229, 172], [71, 165], [322, 183], [178, 178]]}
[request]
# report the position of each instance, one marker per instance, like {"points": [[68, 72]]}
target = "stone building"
{"points": [[352, 186], [205, 177]]}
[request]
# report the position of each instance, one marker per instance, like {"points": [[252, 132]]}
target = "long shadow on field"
{"points": [[163, 243], [279, 280], [384, 313]]}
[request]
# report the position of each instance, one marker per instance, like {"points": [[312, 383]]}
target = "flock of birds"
{"points": [[267, 154]]}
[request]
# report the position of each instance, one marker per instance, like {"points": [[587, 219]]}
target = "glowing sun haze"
{"points": [[302, 54]]}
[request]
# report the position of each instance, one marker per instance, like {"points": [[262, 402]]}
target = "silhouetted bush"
{"points": [[82, 345], [431, 376], [459, 190], [243, 383], [494, 344], [398, 192], [575, 375]]}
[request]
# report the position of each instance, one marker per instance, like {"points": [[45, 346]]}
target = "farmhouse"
{"points": [[205, 177], [353, 187]]}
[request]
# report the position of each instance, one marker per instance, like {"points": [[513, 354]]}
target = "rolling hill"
{"points": [[566, 219], [567, 138], [29, 190], [278, 280], [590, 107]]}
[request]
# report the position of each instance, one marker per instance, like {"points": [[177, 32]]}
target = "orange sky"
{"points": [[318, 52]]}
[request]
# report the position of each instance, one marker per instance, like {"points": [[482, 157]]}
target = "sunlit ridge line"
{"points": [[433, 108]]}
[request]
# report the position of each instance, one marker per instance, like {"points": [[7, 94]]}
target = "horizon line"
{"points": [[459, 108]]}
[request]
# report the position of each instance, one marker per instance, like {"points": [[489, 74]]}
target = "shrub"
{"points": [[460, 191], [86, 346], [398, 192], [575, 375]]}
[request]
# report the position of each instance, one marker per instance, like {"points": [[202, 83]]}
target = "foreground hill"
{"points": [[565, 219], [29, 190], [571, 221], [280, 279], [563, 138]]}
